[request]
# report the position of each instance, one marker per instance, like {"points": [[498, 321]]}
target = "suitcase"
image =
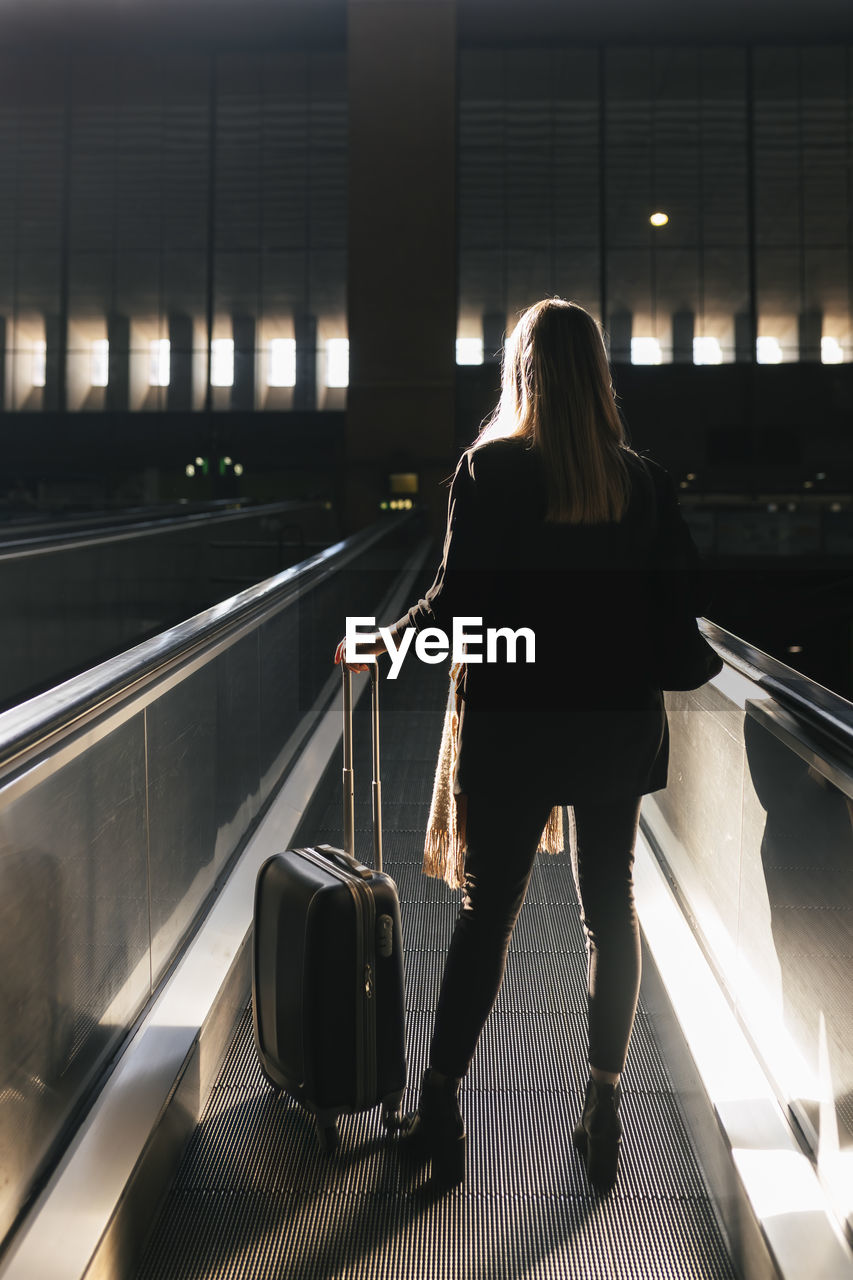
{"points": [[328, 996]]}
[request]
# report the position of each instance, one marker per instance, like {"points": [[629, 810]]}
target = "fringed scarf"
{"points": [[444, 847]]}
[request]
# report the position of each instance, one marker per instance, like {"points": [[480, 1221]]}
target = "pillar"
{"points": [[494, 332], [118, 375], [305, 386], [179, 393], [402, 295], [745, 337], [243, 386], [620, 327], [809, 332], [683, 331], [54, 363]]}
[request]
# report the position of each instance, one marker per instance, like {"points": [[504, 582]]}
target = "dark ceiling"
{"points": [[322, 23]]}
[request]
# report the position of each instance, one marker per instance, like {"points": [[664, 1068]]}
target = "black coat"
{"points": [[586, 720]]}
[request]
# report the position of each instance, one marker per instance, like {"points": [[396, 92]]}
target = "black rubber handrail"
{"points": [[827, 713], [60, 709]]}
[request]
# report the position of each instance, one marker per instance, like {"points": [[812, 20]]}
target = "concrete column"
{"points": [[683, 331], [179, 393], [118, 375], [243, 387], [620, 327], [401, 249], [494, 331], [809, 332], [744, 338], [305, 336], [54, 363]]}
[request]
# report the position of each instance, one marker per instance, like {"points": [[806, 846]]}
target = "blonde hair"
{"points": [[557, 393]]}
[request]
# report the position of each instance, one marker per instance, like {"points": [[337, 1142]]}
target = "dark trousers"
{"points": [[502, 838]]}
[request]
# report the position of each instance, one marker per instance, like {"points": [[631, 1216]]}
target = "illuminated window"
{"points": [[39, 364], [469, 350], [100, 362], [645, 351], [282, 363], [830, 351], [337, 362], [707, 351], [222, 362], [159, 365], [768, 351]]}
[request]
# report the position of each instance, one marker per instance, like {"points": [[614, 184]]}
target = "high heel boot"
{"points": [[436, 1131], [598, 1133]]}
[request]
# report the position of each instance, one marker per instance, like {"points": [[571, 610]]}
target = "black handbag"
{"points": [[681, 657]]}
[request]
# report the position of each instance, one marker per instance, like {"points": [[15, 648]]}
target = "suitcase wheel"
{"points": [[391, 1117], [328, 1137]]}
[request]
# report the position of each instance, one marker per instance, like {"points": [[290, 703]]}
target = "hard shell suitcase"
{"points": [[328, 997]]}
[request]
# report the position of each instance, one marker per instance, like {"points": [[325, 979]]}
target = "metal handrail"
{"points": [[63, 708], [825, 712], [67, 539]]}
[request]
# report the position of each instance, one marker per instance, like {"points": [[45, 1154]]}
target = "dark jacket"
{"points": [[586, 720]]}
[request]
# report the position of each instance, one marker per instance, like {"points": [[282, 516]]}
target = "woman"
{"points": [[554, 524]]}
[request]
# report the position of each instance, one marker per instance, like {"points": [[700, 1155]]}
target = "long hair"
{"points": [[557, 393]]}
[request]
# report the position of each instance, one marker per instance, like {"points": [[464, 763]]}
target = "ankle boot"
{"points": [[598, 1133], [436, 1131]]}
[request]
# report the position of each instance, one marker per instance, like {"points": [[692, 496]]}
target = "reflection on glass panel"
{"points": [[759, 842], [800, 827]]}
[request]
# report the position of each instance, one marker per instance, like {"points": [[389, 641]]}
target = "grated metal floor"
{"points": [[254, 1200]]}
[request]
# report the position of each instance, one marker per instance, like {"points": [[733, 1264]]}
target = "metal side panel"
{"points": [[255, 1200]]}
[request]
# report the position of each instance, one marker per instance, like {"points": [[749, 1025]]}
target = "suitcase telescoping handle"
{"points": [[348, 779]]}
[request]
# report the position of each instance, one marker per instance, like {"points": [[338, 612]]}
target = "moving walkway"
{"points": [[219, 742]]}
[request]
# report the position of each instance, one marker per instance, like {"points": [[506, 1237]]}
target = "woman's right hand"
{"points": [[375, 646]]}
